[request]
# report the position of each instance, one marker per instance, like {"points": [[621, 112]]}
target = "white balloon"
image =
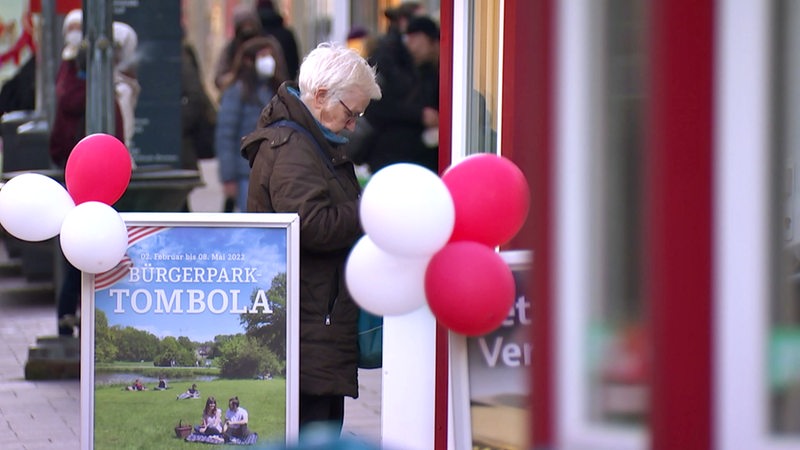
{"points": [[383, 283], [94, 237], [407, 210], [33, 206]]}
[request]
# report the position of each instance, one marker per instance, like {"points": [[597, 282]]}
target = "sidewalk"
{"points": [[46, 414]]}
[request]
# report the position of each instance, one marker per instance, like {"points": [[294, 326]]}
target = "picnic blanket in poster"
{"points": [[218, 439]]}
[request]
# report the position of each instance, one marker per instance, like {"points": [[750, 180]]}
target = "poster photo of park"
{"points": [[194, 314]]}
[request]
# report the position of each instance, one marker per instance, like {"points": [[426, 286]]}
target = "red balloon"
{"points": [[491, 199], [98, 169], [470, 289]]}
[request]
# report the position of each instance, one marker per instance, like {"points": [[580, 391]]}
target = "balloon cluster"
{"points": [[93, 236], [431, 239]]}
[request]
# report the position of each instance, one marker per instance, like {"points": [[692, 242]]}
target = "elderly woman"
{"points": [[299, 165]]}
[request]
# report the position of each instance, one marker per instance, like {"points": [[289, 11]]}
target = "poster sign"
{"points": [[202, 309], [490, 375]]}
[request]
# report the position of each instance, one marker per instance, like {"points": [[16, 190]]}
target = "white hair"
{"points": [[338, 69]]}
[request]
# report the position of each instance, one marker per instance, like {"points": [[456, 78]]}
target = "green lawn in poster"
{"points": [[147, 419]]}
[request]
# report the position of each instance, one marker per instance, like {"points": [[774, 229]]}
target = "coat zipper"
{"points": [[334, 296]]}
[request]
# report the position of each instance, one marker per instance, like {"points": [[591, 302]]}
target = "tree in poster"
{"points": [[135, 345], [104, 350], [174, 352], [269, 329], [244, 357]]}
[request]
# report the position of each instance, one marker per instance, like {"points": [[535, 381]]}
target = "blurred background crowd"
{"points": [[179, 60]]}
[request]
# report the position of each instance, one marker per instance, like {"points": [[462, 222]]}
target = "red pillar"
{"points": [[445, 145], [527, 138], [678, 222]]}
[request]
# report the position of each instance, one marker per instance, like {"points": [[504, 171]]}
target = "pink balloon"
{"points": [[470, 289], [491, 198], [98, 169]]}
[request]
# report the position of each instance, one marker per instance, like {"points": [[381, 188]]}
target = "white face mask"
{"points": [[265, 66], [73, 38]]}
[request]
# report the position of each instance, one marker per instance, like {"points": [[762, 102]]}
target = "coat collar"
{"points": [[332, 137]]}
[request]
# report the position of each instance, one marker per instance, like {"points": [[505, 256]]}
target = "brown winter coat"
{"points": [[288, 174]]}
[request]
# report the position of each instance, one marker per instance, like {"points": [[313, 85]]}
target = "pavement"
{"points": [[46, 414]]}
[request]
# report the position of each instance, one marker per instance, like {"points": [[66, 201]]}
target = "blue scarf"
{"points": [[329, 135]]}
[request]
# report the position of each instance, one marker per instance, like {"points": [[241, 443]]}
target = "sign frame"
{"points": [[167, 228], [464, 375]]}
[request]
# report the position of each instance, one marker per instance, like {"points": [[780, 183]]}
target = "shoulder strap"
{"points": [[296, 126]]}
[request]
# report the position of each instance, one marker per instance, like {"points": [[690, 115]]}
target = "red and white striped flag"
{"points": [[118, 272]]}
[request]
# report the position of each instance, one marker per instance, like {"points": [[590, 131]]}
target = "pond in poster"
{"points": [[202, 309]]}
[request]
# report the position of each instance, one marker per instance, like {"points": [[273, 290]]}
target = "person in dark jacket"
{"points": [[410, 103], [273, 25], [306, 171], [198, 113], [19, 92], [246, 26]]}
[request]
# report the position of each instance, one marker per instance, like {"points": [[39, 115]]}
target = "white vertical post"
{"points": [[340, 21], [742, 229], [409, 381]]}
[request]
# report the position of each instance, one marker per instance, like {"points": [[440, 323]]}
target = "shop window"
{"points": [[783, 342], [618, 342], [483, 65]]}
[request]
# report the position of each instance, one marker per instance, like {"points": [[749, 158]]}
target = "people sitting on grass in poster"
{"points": [[232, 430], [136, 386], [235, 421], [162, 384], [212, 419], [192, 392]]}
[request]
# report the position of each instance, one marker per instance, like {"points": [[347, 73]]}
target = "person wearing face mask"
{"points": [[258, 69], [300, 165], [73, 35], [69, 122], [246, 26], [69, 127]]}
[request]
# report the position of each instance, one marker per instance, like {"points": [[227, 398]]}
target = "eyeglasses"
{"points": [[350, 113]]}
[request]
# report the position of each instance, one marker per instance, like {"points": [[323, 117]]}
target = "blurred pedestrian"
{"points": [[18, 93], [246, 25], [400, 15], [69, 127], [390, 56], [258, 70], [69, 123], [360, 40], [198, 114], [299, 165], [405, 121], [272, 24], [126, 83]]}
